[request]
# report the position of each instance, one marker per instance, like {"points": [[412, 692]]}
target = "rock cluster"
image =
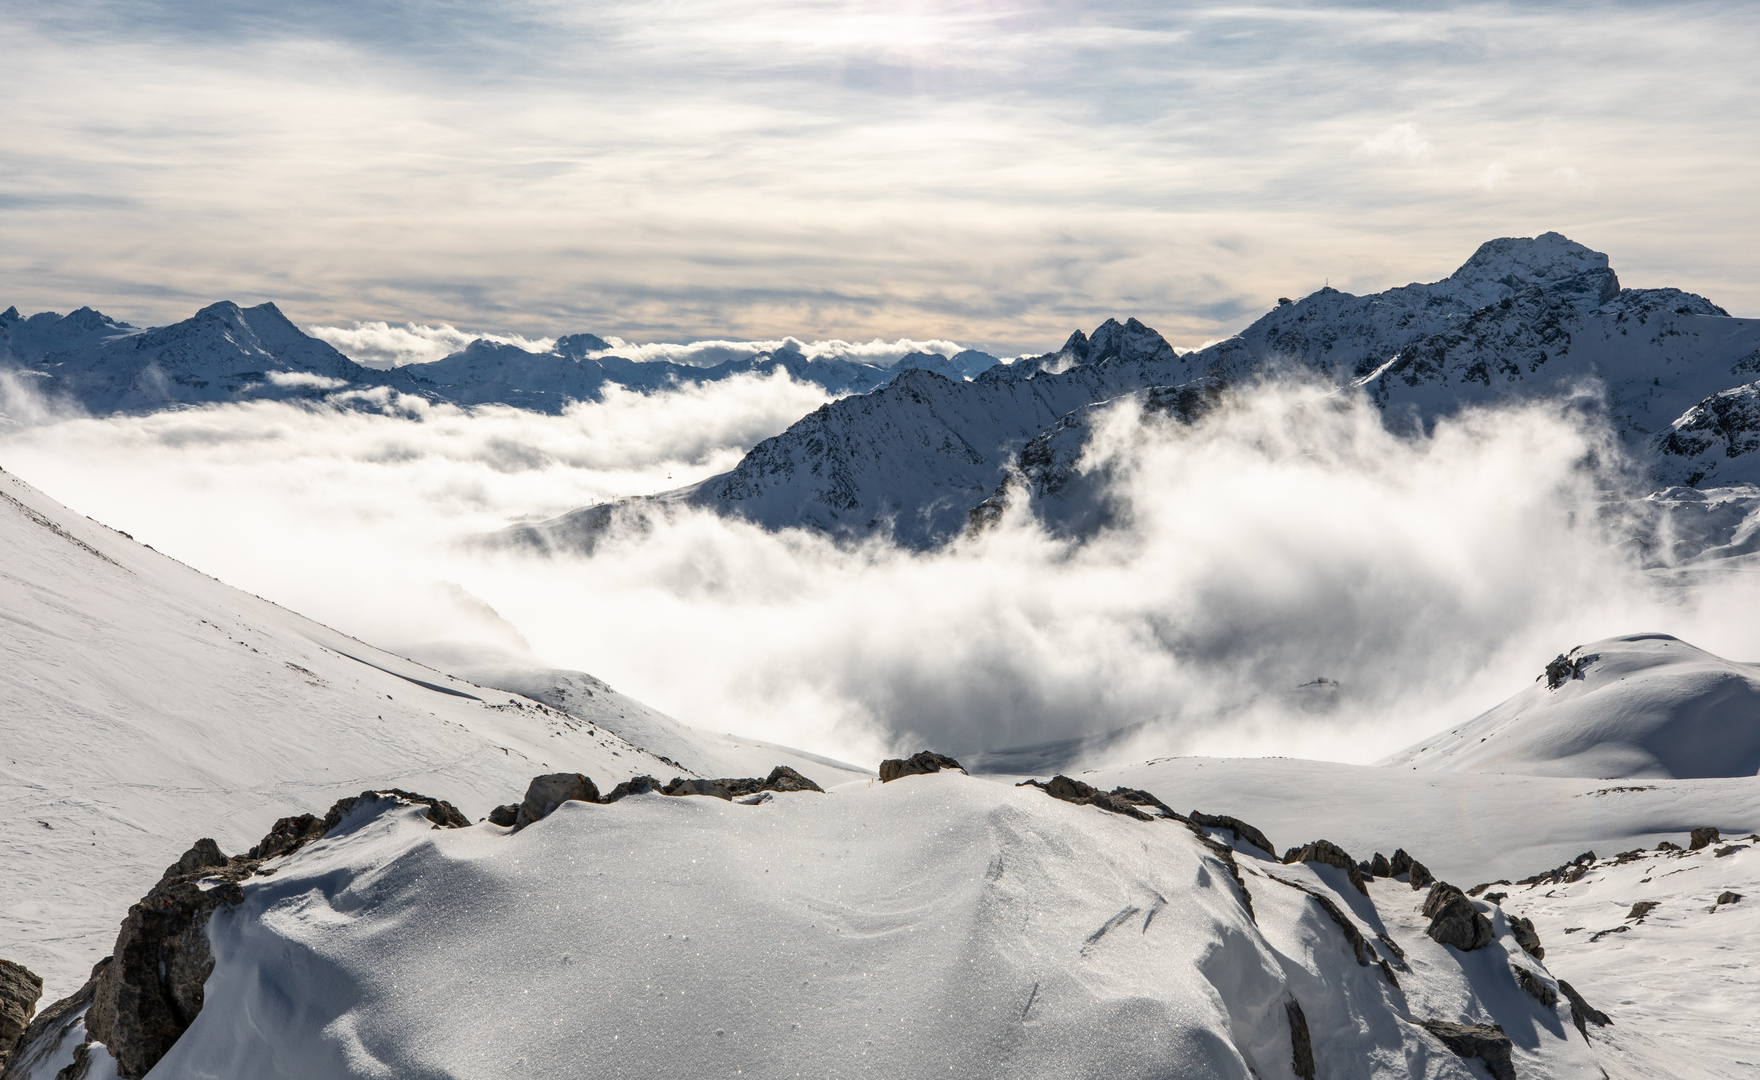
{"points": [[1121, 800], [1487, 1042], [925, 762], [1325, 851], [1565, 874], [1456, 920], [547, 792], [19, 990], [1240, 828]]}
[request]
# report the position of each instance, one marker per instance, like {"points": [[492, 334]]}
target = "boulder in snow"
{"points": [[1455, 920], [925, 762], [547, 792]]}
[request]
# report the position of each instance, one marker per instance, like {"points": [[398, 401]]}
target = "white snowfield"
{"points": [[144, 705], [1645, 705], [936, 926]]}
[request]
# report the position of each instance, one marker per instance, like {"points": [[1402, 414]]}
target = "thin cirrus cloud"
{"points": [[993, 173]]}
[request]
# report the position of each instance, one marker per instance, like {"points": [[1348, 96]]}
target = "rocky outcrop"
{"points": [[1728, 897], [1565, 874], [926, 762], [1487, 1042], [1301, 1043], [1526, 936], [20, 989], [545, 793], [1456, 920], [1582, 1013], [1325, 851], [1118, 801], [1237, 826], [1536, 987], [1564, 668], [1703, 838], [1415, 873], [781, 779], [1379, 866], [149, 990], [52, 1029]]}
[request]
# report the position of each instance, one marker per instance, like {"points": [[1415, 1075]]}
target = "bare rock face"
{"points": [[506, 816], [49, 1032], [1301, 1043], [781, 779], [1379, 866], [1526, 936], [1416, 874], [20, 989], [1454, 920], [1728, 897], [1241, 829], [1703, 838], [1487, 1042], [1582, 1013], [547, 792], [1325, 851], [1536, 987], [926, 762], [1119, 801]]}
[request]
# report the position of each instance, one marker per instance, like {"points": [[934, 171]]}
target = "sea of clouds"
{"points": [[382, 345], [1292, 578]]}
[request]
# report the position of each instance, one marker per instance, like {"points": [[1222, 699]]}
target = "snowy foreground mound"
{"points": [[936, 925], [143, 704], [1646, 705]]}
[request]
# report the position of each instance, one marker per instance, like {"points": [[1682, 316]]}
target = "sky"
{"points": [[987, 172]]}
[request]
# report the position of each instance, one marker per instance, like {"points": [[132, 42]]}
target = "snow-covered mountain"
{"points": [[228, 353], [1644, 705], [143, 703], [1522, 318]]}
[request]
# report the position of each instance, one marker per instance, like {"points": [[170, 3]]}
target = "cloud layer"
{"points": [[997, 174], [1293, 579]]}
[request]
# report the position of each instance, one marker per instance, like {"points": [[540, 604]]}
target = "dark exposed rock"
{"points": [[52, 1029], [1536, 986], [1728, 849], [1241, 829], [150, 989], [505, 816], [547, 792], [1301, 1043], [1401, 863], [635, 785], [1563, 875], [20, 989], [1564, 669], [1496, 898], [1487, 1042], [926, 762], [1379, 866], [1582, 1011], [1392, 946], [1527, 937], [1642, 908], [782, 778], [1668, 845], [1703, 838], [1074, 791], [1477, 889], [1325, 851], [1727, 897], [1412, 870], [1454, 920]]}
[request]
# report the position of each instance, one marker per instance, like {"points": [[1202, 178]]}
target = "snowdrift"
{"points": [[1644, 705], [936, 925]]}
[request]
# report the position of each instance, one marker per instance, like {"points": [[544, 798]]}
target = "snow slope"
{"points": [[143, 704], [938, 925], [1644, 705]]}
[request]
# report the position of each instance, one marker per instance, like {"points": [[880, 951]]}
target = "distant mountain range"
{"points": [[226, 353], [924, 458]]}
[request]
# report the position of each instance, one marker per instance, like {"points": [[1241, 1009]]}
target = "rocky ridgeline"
{"points": [[141, 998]]}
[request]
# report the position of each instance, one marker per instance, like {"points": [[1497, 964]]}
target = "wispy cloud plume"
{"points": [[1286, 539]]}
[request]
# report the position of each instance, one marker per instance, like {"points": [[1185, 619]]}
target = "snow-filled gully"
{"points": [[935, 925]]}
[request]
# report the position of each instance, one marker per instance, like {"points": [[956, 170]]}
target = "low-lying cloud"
{"points": [[1292, 578], [381, 345]]}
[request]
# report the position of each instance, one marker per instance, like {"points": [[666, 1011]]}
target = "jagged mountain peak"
{"points": [[1551, 261], [10, 315]]}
